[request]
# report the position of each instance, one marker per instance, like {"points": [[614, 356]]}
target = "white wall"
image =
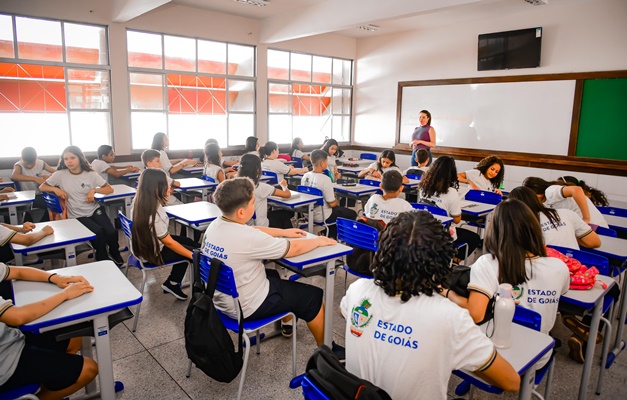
{"points": [[577, 36]]}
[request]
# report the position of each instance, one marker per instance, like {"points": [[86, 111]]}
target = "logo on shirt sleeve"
{"points": [[374, 209], [360, 318]]}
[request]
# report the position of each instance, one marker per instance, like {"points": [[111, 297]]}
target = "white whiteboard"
{"points": [[527, 117]]}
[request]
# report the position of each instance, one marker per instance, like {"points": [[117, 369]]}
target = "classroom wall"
{"points": [[578, 36]]}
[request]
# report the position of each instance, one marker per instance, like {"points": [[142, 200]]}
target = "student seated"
{"points": [[29, 358], [332, 148], [487, 175], [297, 150], [19, 235], [560, 227], [387, 206], [102, 165], [262, 292], [30, 172], [437, 336], [226, 164], [152, 160], [423, 160], [317, 178], [213, 163], [517, 256], [270, 162], [252, 146], [161, 142], [596, 196], [385, 162]]}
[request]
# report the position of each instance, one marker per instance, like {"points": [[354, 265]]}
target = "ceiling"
{"points": [[291, 19]]}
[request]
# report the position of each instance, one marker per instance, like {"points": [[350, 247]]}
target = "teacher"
{"points": [[423, 137]]}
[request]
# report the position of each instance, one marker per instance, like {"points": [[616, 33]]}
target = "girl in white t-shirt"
{"points": [[151, 240], [439, 185], [252, 146], [213, 163], [160, 142], [560, 227], [402, 336], [331, 147], [297, 150], [385, 162], [270, 162], [487, 175], [250, 167]]}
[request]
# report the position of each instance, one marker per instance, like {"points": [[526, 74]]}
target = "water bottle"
{"points": [[504, 308]]}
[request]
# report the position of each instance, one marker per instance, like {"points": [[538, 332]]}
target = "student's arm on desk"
{"points": [[106, 189], [476, 304], [27, 239], [580, 198], [285, 193], [501, 374], [19, 177], [590, 241], [298, 247], [176, 247], [44, 187], [180, 164], [118, 171], [75, 286]]}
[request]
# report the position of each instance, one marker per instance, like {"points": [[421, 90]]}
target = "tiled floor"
{"points": [[152, 362]]}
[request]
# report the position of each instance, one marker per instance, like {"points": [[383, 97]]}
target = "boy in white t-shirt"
{"points": [[29, 173], [422, 159], [387, 206], [102, 165], [262, 292], [401, 335]]}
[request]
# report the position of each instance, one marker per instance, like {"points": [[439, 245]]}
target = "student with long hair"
{"points": [[434, 336], [516, 256], [269, 162], [597, 197], [161, 142], [487, 175], [252, 146], [151, 240], [213, 163], [560, 227], [297, 149], [250, 167], [385, 162], [559, 194], [331, 147], [439, 185], [77, 184]]}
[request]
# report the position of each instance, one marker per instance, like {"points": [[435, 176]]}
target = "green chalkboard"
{"points": [[603, 119]]}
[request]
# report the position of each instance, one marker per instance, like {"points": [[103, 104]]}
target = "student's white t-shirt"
{"points": [[555, 199], [243, 248], [450, 202], [212, 171], [172, 201], [6, 235], [331, 165], [385, 209], [101, 167], [166, 165], [162, 222], [77, 187], [297, 153], [570, 228], [323, 182], [11, 339], [409, 349], [277, 166], [37, 171], [262, 192], [475, 176], [375, 167]]}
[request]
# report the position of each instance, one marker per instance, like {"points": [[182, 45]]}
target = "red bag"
{"points": [[581, 277]]}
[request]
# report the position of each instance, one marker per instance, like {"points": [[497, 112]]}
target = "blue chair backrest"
{"points": [[370, 182], [311, 391], [226, 279], [414, 176], [298, 162], [528, 318], [619, 212], [127, 225], [483, 196], [17, 185], [311, 190], [358, 234], [587, 259], [368, 156], [52, 202], [435, 210], [207, 178], [274, 181], [606, 231]]}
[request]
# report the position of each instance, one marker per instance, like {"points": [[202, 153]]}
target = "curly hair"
{"points": [[486, 163], [597, 197], [439, 178], [414, 256]]}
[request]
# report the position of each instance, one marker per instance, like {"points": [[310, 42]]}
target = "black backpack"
{"points": [[207, 342], [330, 376], [360, 260]]}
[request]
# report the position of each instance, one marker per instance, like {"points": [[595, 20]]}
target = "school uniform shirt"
{"points": [[37, 171], [475, 176], [297, 153], [450, 202], [570, 228], [375, 167], [77, 187], [385, 209], [212, 170], [11, 339], [277, 166], [172, 201], [331, 166], [6, 235], [262, 192], [162, 223], [409, 349], [166, 165], [101, 167], [243, 248], [555, 199], [323, 182], [423, 169]]}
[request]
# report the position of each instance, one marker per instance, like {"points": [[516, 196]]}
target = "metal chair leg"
{"points": [[189, 369], [139, 305], [243, 374]]}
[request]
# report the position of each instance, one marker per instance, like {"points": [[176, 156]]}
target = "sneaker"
{"points": [[174, 289], [287, 329], [576, 349], [117, 259], [339, 351]]}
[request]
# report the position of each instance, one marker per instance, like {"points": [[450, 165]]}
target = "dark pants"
{"points": [[106, 234], [339, 212], [38, 211], [169, 256], [470, 237], [6, 253], [280, 219]]}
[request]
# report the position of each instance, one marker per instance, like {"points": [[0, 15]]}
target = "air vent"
{"points": [[369, 28], [537, 2], [258, 3]]}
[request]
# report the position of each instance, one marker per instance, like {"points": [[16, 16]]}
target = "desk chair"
{"points": [[483, 196], [416, 176], [368, 156], [606, 232], [435, 210], [619, 212], [298, 162], [371, 182], [133, 261], [207, 178], [316, 192], [356, 234], [273, 175], [226, 285], [26, 392]]}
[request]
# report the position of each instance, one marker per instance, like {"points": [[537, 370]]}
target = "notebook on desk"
{"points": [[10, 195], [466, 204], [295, 194]]}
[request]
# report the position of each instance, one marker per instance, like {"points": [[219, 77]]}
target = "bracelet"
{"points": [[447, 292], [51, 275]]}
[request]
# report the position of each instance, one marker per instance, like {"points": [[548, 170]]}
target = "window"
{"points": [[54, 85], [191, 89], [308, 97]]}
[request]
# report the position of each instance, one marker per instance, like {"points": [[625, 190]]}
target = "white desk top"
{"points": [[196, 213], [412, 183], [476, 208], [192, 170], [358, 162], [615, 220], [194, 183], [615, 246], [588, 298], [119, 192], [350, 170], [317, 255], [66, 231], [26, 196], [131, 175], [301, 199], [618, 203], [358, 189], [112, 292]]}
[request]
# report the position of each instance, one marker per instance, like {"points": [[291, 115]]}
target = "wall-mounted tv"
{"points": [[508, 50]]}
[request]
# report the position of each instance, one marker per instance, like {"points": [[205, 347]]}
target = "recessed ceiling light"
{"points": [[369, 28], [258, 3]]}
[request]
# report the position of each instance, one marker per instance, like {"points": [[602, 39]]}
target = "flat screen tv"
{"points": [[508, 50]]}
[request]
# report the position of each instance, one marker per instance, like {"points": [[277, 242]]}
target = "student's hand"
{"points": [[294, 233], [498, 191], [90, 196], [190, 162], [27, 227], [291, 167], [325, 241], [4, 197], [229, 169], [48, 230], [60, 193], [74, 290], [376, 174], [64, 281], [7, 190], [41, 179]]}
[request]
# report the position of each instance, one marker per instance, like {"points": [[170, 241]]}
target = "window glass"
{"points": [[146, 91], [300, 67], [6, 37], [322, 69], [241, 60], [278, 64], [88, 89], [85, 44], [342, 72], [48, 132], [180, 53], [38, 39], [211, 57], [279, 98], [240, 127], [144, 50], [241, 95], [144, 125], [89, 129], [192, 130]]}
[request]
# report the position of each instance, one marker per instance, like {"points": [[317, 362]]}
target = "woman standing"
{"points": [[423, 137]]}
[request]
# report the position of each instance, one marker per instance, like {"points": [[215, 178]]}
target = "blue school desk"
{"points": [[120, 192], [301, 200], [196, 215], [193, 184], [18, 199], [112, 293]]}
